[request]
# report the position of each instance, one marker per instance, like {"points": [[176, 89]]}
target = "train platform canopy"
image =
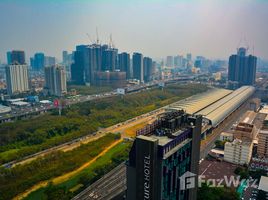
{"points": [[214, 105], [198, 102], [221, 109]]}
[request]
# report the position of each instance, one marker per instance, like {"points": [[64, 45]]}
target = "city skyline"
{"points": [[211, 29]]}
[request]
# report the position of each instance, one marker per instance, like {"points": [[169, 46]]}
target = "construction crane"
{"points": [[111, 44], [89, 38], [97, 35]]}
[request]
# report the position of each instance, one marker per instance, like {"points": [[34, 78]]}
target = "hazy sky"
{"points": [[156, 28]]}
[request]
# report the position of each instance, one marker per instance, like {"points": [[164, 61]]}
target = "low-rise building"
{"points": [[263, 185], [246, 129], [258, 164], [225, 136], [238, 151]]}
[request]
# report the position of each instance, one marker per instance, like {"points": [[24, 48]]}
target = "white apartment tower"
{"points": [[17, 78], [55, 80]]}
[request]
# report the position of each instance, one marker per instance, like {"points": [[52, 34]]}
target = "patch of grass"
{"points": [[21, 177], [88, 175]]}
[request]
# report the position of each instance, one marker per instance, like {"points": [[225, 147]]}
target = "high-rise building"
{"points": [[242, 68], [170, 61], [38, 61], [161, 157], [64, 57], [9, 58], [89, 59], [262, 149], [50, 61], [189, 57], [94, 62], [103, 61], [124, 63], [110, 57], [16, 57], [81, 59], [55, 80], [178, 61], [17, 79], [67, 61], [137, 60], [148, 69]]}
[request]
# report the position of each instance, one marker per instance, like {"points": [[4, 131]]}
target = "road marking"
{"points": [[206, 169]]}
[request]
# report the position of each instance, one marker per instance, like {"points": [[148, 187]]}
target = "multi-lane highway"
{"points": [[108, 187]]}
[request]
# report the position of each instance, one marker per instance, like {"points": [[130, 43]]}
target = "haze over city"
{"points": [[133, 99], [157, 28]]}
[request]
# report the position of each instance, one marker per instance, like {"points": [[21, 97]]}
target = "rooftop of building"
{"points": [[226, 134], [239, 142], [215, 104], [263, 185], [172, 131], [264, 109], [198, 102], [163, 140], [219, 110], [248, 117]]}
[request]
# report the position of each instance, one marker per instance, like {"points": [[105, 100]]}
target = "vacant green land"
{"points": [[26, 137], [18, 179], [103, 165]]}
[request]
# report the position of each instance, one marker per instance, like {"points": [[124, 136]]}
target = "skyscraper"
{"points": [[170, 61], [242, 68], [178, 61], [9, 57], [65, 57], [95, 62], [17, 79], [110, 56], [148, 69], [16, 57], [162, 155], [49, 61], [81, 55], [38, 61], [55, 80], [137, 60], [189, 57], [124, 63]]}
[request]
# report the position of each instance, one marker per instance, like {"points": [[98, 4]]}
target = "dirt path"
{"points": [[66, 176]]}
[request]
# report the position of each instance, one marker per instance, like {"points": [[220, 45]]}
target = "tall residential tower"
{"points": [[55, 80], [242, 68], [17, 78]]}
